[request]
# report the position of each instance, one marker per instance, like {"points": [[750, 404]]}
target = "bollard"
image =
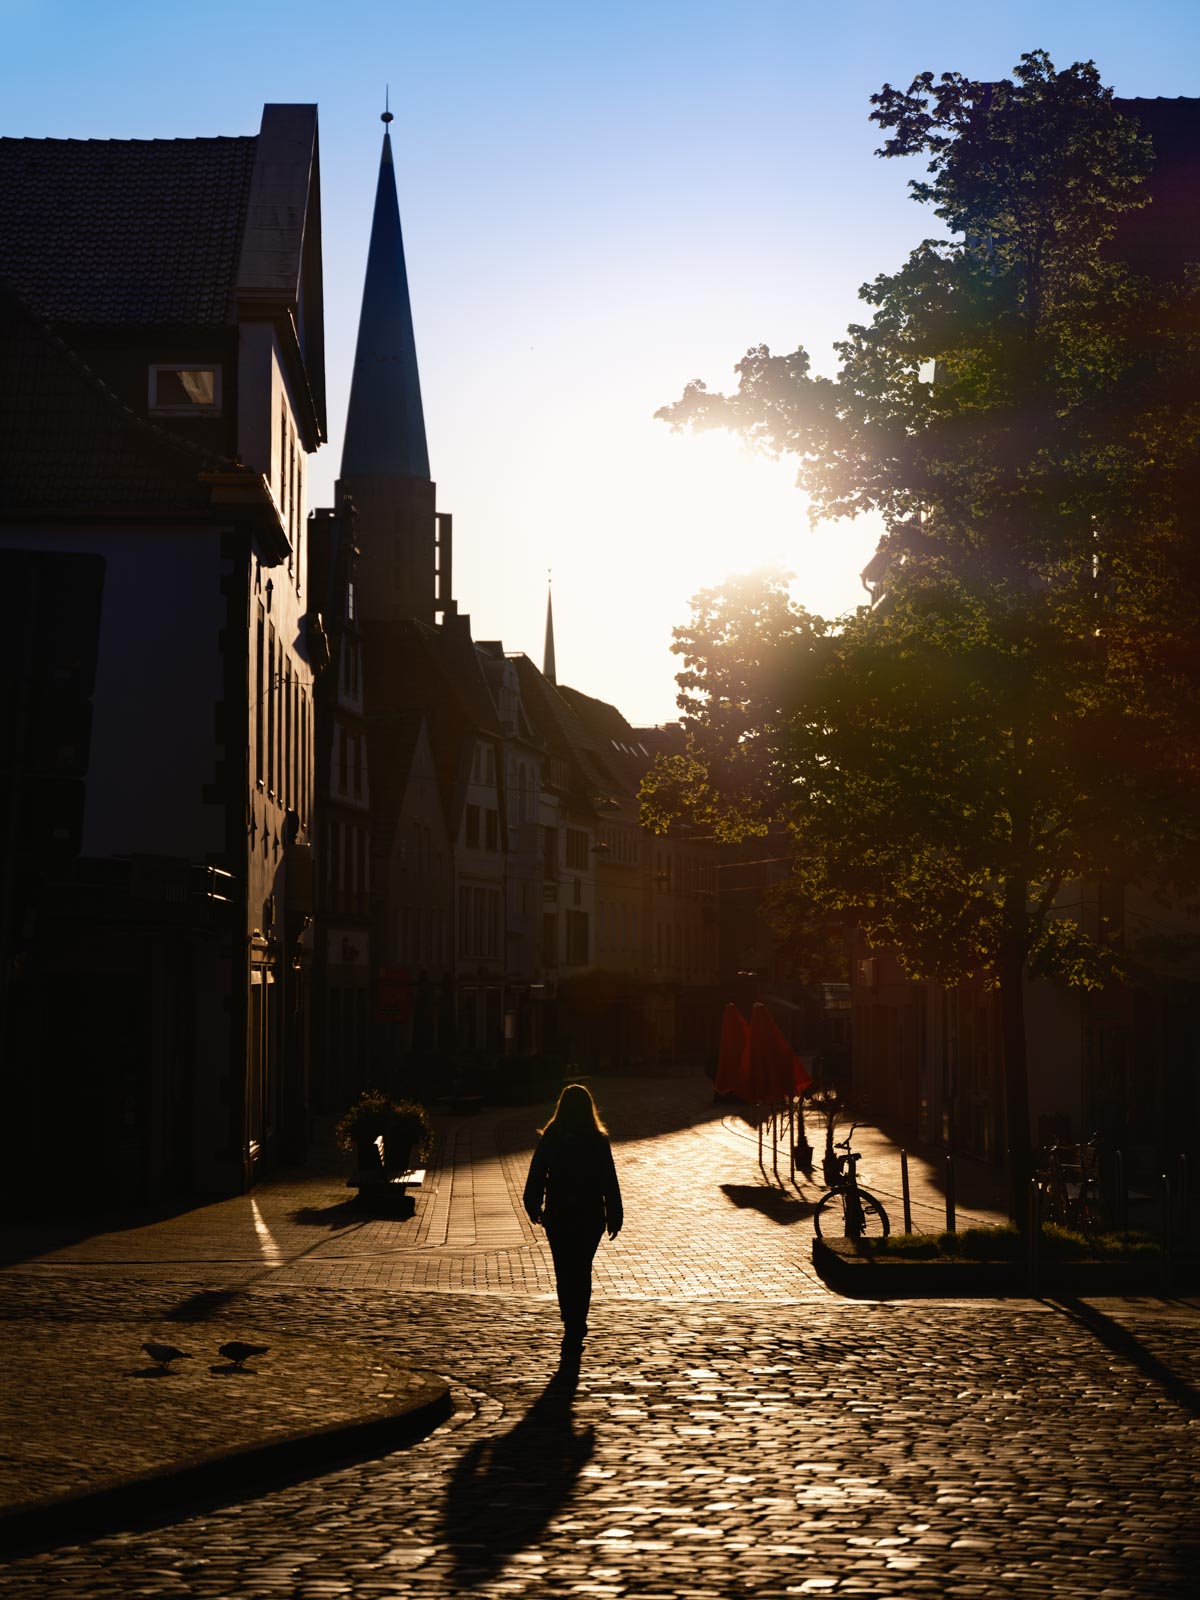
{"points": [[950, 1228], [1166, 1234], [1121, 1197], [791, 1139], [1182, 1199], [904, 1191], [1034, 1241]]}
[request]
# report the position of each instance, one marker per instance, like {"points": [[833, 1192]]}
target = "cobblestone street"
{"points": [[734, 1428]]}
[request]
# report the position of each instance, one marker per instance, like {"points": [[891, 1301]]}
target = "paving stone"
{"points": [[733, 1430]]}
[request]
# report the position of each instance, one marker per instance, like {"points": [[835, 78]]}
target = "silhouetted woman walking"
{"points": [[572, 1190]]}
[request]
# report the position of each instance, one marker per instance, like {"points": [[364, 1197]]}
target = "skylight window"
{"points": [[185, 390]]}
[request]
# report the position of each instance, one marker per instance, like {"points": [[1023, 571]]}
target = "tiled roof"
{"points": [[555, 720], [124, 230], [69, 447], [619, 745]]}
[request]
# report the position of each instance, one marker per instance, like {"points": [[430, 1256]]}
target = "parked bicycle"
{"points": [[1069, 1183], [859, 1212]]}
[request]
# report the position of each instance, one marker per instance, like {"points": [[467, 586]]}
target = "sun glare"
{"points": [[723, 509]]}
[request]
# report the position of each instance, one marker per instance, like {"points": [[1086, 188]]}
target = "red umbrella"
{"points": [[771, 1069], [734, 1034]]}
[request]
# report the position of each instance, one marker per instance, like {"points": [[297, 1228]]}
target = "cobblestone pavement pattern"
{"points": [[733, 1429]]}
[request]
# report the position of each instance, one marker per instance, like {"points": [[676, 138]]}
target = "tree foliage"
{"points": [[1017, 710]]}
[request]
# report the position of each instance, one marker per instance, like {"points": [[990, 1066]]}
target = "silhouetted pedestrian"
{"points": [[572, 1190]]}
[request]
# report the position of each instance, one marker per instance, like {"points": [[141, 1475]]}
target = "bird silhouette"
{"points": [[164, 1354], [238, 1351]]}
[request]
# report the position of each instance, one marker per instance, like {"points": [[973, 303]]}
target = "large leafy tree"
{"points": [[1017, 709]]}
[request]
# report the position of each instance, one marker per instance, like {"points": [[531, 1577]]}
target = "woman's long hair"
{"points": [[575, 1113]]}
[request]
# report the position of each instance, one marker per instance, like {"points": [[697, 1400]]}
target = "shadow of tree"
{"points": [[340, 1215], [203, 1304], [505, 1490], [774, 1203]]}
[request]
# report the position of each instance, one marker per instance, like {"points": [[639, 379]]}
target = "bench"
{"points": [[458, 1105], [377, 1186]]}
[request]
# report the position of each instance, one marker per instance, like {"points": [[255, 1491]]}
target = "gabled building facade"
{"points": [[162, 389]]}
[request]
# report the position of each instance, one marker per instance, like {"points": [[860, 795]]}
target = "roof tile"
{"points": [[134, 231]]}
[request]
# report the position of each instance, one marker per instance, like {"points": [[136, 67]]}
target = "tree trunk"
{"points": [[1011, 976]]}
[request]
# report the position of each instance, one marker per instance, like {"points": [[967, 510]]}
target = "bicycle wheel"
{"points": [[875, 1218], [829, 1219], [1090, 1209], [828, 1215]]}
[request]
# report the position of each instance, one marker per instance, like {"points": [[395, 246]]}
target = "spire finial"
{"points": [[386, 115], [548, 665]]}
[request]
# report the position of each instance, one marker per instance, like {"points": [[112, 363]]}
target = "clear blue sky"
{"points": [[600, 201]]}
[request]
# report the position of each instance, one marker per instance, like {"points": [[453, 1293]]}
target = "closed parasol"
{"points": [[734, 1033], [771, 1069]]}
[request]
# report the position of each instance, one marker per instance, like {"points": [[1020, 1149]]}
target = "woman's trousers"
{"points": [[573, 1245]]}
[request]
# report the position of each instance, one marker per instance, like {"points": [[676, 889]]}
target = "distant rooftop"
{"points": [[1161, 238]]}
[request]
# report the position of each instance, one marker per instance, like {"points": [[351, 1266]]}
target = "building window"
{"points": [[492, 822], [285, 777], [271, 707], [577, 850], [549, 939], [260, 741], [478, 922], [577, 938], [183, 390], [550, 851], [472, 827], [283, 436]]}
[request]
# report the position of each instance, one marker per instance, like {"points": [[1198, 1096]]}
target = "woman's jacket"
{"points": [[572, 1181]]}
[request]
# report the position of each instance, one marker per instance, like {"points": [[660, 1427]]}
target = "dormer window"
{"points": [[184, 390]]}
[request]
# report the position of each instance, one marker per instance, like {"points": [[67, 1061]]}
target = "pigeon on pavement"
{"points": [[164, 1354], [238, 1351]]}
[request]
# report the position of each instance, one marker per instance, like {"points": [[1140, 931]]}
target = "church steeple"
{"points": [[385, 424], [548, 651]]}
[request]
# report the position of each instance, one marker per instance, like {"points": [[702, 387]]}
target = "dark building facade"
{"points": [[163, 385]]}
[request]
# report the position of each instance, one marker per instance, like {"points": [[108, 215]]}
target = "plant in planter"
{"points": [[407, 1136], [362, 1125], [828, 1105]]}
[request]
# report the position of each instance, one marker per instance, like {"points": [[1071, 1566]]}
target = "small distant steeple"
{"points": [[385, 423], [548, 652]]}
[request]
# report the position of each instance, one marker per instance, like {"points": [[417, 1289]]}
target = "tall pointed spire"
{"points": [[385, 424], [548, 652]]}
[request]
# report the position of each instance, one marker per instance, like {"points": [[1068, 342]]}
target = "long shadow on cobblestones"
{"points": [[1113, 1336], [342, 1214], [774, 1203], [505, 1490], [202, 1305]]}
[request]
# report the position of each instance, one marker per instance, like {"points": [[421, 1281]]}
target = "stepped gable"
{"points": [[418, 668], [70, 447], [139, 231]]}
